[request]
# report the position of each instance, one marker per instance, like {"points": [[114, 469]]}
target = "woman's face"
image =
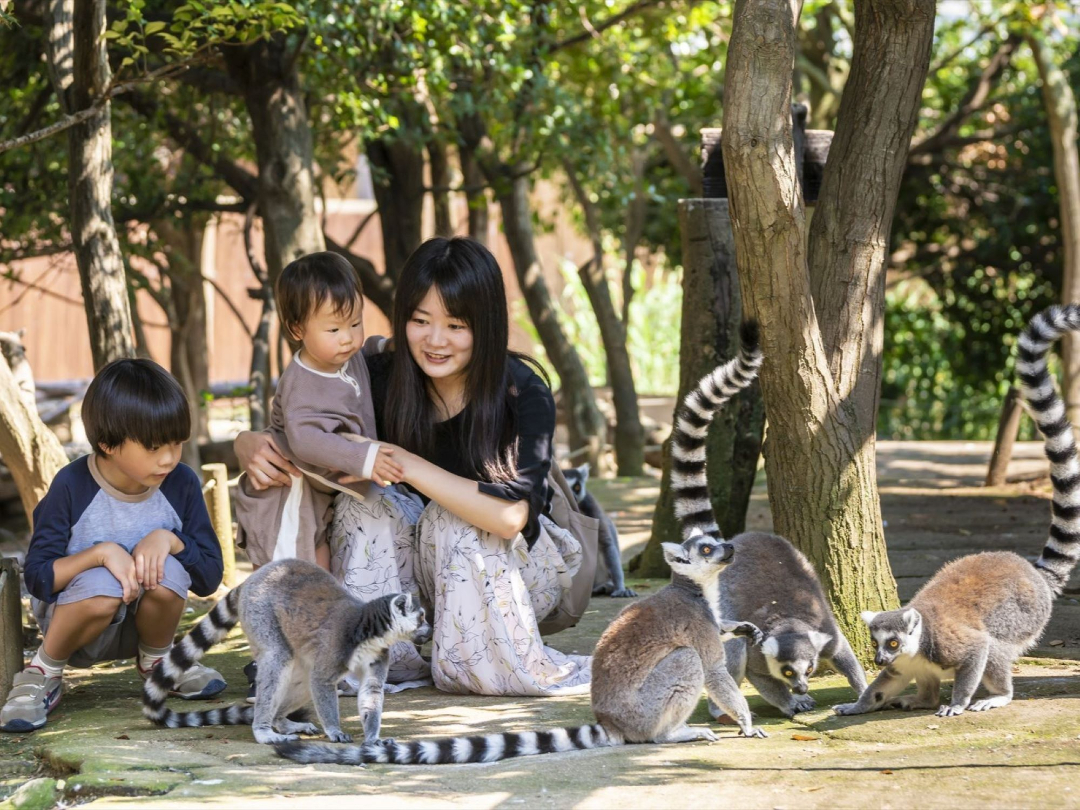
{"points": [[439, 343]]}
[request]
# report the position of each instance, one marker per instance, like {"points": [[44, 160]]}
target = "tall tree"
{"points": [[1061, 116], [820, 307], [80, 74]]}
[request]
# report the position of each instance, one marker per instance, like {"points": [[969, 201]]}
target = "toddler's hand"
{"points": [[150, 554], [119, 563], [386, 470]]}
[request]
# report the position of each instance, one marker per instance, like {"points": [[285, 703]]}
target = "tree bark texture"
{"points": [[475, 194], [821, 320], [585, 423], [711, 314], [439, 163], [629, 434], [398, 180], [29, 449], [80, 75], [267, 73], [1061, 116]]}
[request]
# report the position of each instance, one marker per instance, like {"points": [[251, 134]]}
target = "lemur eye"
{"points": [[810, 671], [873, 642], [706, 550], [893, 644], [788, 673]]}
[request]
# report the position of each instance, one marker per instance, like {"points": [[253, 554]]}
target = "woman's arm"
{"points": [[261, 459]]}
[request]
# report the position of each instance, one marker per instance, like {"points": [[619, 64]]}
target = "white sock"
{"points": [[50, 666], [148, 656]]}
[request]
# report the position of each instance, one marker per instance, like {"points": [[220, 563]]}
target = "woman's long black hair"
{"points": [[470, 283]]}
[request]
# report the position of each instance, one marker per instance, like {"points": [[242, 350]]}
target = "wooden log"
{"points": [[216, 492], [1008, 427], [11, 636]]}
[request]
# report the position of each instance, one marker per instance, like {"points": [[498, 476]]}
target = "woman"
{"points": [[472, 425]]}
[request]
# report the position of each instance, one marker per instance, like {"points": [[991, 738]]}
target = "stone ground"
{"points": [[97, 749]]}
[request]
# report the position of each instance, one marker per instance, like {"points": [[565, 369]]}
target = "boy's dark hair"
{"points": [[137, 400], [307, 283]]}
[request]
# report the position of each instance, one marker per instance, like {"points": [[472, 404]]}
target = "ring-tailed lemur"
{"points": [[980, 613], [608, 538], [650, 665], [774, 586], [306, 632]]}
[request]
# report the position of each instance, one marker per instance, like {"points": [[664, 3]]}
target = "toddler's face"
{"points": [[331, 338], [141, 467]]}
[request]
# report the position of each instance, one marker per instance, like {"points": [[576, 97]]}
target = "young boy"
{"points": [[322, 419], [118, 541]]}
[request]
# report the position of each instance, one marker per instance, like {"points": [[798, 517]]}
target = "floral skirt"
{"points": [[484, 594]]}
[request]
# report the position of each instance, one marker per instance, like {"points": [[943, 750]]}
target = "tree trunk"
{"points": [[1062, 118], [585, 423], [820, 376], [711, 314], [629, 434], [29, 449], [259, 375], [266, 71], [80, 75], [440, 187], [475, 194], [398, 180]]}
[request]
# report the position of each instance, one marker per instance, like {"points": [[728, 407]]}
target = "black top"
{"points": [[536, 427]]}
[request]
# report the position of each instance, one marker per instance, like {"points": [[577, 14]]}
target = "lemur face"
{"points": [[576, 478], [893, 633], [793, 657], [409, 619], [700, 558]]}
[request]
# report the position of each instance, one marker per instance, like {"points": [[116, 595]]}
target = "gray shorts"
{"points": [[120, 639]]}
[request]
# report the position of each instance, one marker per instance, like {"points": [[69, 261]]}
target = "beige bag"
{"points": [[565, 513]]}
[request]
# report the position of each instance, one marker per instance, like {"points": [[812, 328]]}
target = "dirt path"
{"points": [[1027, 754]]}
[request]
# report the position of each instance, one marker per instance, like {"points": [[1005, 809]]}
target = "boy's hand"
{"points": [[386, 470], [150, 554], [120, 564]]}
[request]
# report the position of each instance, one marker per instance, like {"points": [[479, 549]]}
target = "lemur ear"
{"points": [[584, 470], [770, 647], [868, 616], [819, 640], [673, 553], [401, 603], [911, 619]]}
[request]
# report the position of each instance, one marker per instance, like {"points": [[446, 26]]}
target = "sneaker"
{"points": [[249, 670], [197, 683], [30, 700]]}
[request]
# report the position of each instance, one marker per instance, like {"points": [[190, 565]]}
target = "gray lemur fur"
{"points": [[610, 559], [773, 585], [981, 612], [650, 664], [306, 632]]}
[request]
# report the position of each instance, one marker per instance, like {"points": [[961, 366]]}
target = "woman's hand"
{"points": [[262, 460], [386, 470], [398, 461]]}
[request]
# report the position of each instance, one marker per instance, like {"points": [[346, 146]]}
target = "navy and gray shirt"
{"points": [[81, 509]]}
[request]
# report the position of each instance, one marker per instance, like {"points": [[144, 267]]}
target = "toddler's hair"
{"points": [[310, 281], [135, 399]]}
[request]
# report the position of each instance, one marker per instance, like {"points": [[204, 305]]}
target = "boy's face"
{"points": [[331, 338], [138, 467]]}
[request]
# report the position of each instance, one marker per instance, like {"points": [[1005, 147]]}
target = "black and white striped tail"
{"points": [[489, 748], [1062, 549], [214, 626], [688, 481]]}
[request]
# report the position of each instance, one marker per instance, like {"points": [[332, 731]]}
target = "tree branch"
{"points": [[593, 31], [379, 288], [676, 155]]}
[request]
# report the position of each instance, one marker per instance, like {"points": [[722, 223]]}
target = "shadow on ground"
{"points": [[97, 749]]}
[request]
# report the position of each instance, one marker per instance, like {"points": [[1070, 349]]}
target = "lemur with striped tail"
{"points": [[651, 664], [981, 612], [306, 632]]}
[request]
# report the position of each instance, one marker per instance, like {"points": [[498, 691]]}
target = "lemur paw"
{"points": [[950, 711], [267, 737], [744, 630], [802, 703], [338, 736], [623, 593], [847, 708], [754, 731]]}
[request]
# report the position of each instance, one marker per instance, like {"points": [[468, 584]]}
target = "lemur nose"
{"points": [[727, 551]]}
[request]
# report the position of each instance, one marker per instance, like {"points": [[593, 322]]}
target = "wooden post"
{"points": [[216, 492], [11, 637], [1008, 427]]}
